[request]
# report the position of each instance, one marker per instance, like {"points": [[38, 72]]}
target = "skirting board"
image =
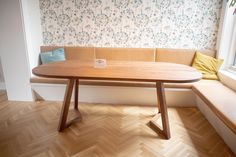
{"points": [[116, 95], [228, 136], [2, 86]]}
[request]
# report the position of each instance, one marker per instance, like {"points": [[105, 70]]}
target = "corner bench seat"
{"points": [[217, 98], [36, 79], [220, 99]]}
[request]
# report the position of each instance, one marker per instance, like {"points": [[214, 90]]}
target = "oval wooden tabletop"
{"points": [[120, 70]]}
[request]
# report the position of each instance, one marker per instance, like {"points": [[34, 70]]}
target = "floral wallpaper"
{"points": [[131, 23]]}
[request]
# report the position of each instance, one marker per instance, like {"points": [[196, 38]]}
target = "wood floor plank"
{"points": [[30, 129]]}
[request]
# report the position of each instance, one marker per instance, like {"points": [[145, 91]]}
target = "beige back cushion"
{"points": [[180, 56], [73, 53], [127, 54]]}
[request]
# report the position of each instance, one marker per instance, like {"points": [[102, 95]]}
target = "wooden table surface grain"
{"points": [[120, 70]]}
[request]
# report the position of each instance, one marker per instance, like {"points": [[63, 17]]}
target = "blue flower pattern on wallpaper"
{"points": [[131, 23]]}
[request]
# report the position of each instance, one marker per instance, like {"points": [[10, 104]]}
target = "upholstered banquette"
{"points": [[180, 56], [216, 101]]}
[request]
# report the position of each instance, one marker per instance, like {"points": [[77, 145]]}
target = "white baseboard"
{"points": [[2, 86], [228, 136], [116, 95]]}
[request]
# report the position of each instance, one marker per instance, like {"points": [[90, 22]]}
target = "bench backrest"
{"points": [[126, 54], [180, 56], [73, 53]]}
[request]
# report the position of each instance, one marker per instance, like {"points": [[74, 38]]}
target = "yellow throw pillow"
{"points": [[207, 65]]}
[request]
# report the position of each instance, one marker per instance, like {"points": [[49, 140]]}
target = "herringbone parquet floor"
{"points": [[28, 129]]}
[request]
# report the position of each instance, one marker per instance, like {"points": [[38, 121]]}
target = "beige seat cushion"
{"points": [[220, 99], [126, 54], [180, 56], [110, 83]]}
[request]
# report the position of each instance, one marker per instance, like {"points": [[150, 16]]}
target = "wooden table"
{"points": [[158, 72]]}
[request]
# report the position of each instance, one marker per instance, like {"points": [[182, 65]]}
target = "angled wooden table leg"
{"points": [[162, 112], [76, 101], [66, 105]]}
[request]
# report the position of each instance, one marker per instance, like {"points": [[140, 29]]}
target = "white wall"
{"points": [[13, 50], [2, 84], [1, 73], [225, 45], [33, 31]]}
